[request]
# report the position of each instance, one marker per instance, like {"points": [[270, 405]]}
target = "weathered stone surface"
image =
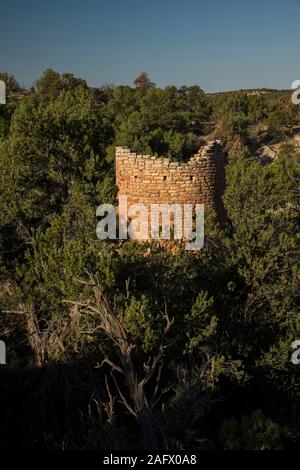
{"points": [[151, 180], [266, 154]]}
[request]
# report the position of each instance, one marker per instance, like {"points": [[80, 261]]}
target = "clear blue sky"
{"points": [[219, 45]]}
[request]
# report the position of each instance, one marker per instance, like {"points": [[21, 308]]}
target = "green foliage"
{"points": [[184, 414], [143, 81], [201, 322], [261, 203], [234, 304], [51, 148], [51, 83], [10, 81], [278, 120], [163, 122], [140, 324], [251, 433]]}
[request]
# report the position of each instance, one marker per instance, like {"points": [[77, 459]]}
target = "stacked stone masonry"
{"points": [[145, 179]]}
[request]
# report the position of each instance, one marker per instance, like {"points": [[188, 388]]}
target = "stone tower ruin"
{"points": [[146, 179]]}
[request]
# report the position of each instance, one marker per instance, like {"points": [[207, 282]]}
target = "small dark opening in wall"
{"points": [[191, 178], [135, 177], [165, 178]]}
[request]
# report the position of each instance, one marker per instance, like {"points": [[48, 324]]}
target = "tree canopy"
{"points": [[119, 344]]}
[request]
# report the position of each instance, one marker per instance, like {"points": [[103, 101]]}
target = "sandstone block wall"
{"points": [[145, 179]]}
